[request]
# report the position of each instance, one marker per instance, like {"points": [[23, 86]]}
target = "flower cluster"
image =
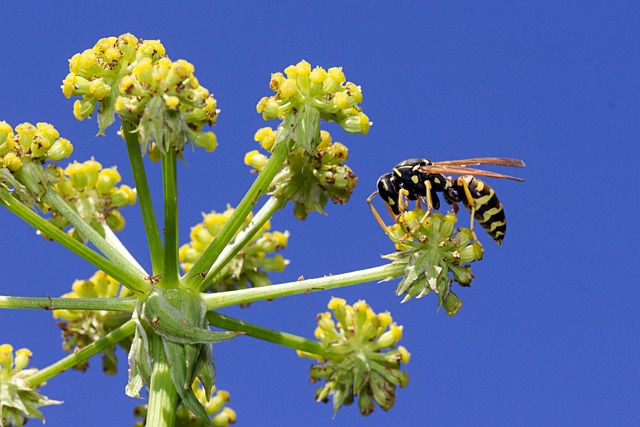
{"points": [[308, 181], [19, 400], [92, 191], [312, 95], [83, 327], [138, 81], [434, 256], [29, 143], [213, 403], [354, 364], [250, 266]]}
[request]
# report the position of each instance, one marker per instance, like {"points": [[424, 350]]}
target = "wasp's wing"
{"points": [[500, 161], [456, 170]]}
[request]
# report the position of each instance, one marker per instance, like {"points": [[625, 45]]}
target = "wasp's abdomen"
{"points": [[489, 212]]}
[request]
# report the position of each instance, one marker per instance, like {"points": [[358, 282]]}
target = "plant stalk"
{"points": [[111, 339], [244, 296], [193, 279], [144, 195]]}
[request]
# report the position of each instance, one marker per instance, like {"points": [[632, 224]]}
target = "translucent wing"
{"points": [[500, 161], [457, 170]]}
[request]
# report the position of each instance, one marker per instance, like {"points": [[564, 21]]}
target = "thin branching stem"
{"points": [[170, 181], [281, 338], [81, 356], [144, 195], [193, 278], [244, 237], [124, 272], [243, 296], [48, 303]]}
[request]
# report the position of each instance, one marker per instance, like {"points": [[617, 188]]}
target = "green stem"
{"points": [[193, 279], [144, 195], [163, 397], [29, 175], [109, 340], [170, 180], [47, 303], [243, 296], [243, 238], [281, 338], [129, 277]]}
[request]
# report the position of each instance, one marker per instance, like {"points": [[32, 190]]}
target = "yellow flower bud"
{"points": [[335, 303], [11, 161], [341, 100], [61, 149], [336, 74], [303, 68], [255, 159], [318, 75], [288, 88], [99, 89], [115, 221], [107, 179]]}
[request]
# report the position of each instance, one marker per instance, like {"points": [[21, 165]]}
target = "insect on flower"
{"points": [[421, 179]]}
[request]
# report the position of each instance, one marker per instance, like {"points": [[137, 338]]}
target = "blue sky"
{"points": [[548, 334]]}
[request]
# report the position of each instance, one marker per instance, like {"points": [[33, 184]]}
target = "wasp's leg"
{"points": [[422, 221], [377, 215], [471, 204]]}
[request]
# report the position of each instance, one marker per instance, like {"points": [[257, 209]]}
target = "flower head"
{"points": [[91, 190], [19, 400], [361, 359], [434, 257], [31, 144], [311, 95], [309, 181], [250, 266], [137, 80], [83, 327]]}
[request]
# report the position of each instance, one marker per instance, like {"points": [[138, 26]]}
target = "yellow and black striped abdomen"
{"points": [[489, 212]]}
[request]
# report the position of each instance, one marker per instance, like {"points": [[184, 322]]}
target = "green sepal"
{"points": [[180, 358], [159, 124], [285, 131], [307, 129], [207, 371], [106, 110], [35, 179], [8, 181], [178, 315], [139, 359]]}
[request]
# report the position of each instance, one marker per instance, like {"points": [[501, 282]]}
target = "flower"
{"points": [[308, 180], [19, 400], [310, 95], [83, 327], [91, 190], [250, 266], [361, 359], [32, 144], [136, 79], [434, 257]]}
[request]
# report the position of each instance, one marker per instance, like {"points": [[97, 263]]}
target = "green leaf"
{"points": [[139, 360], [307, 130], [170, 323], [179, 373], [207, 371], [106, 110]]}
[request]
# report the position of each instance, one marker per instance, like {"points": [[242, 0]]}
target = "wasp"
{"points": [[421, 180]]}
